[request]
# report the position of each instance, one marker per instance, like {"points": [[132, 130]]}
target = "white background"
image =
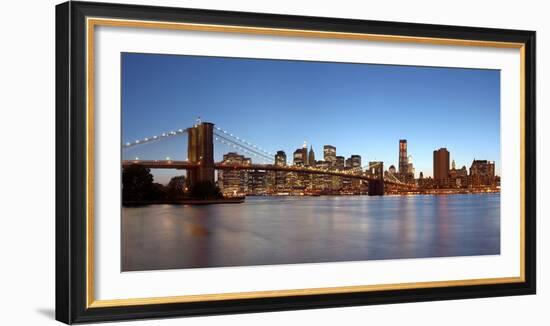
{"points": [[27, 162]]}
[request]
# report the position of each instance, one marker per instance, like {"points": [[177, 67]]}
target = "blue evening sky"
{"points": [[278, 104]]}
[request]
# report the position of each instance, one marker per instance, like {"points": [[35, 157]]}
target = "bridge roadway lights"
{"points": [[376, 187]]}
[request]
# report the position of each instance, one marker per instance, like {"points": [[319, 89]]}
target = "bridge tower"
{"points": [[200, 150], [376, 186]]}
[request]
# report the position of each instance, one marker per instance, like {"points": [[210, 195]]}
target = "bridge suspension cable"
{"points": [[148, 140], [394, 179], [246, 149], [368, 167], [223, 136], [238, 139]]}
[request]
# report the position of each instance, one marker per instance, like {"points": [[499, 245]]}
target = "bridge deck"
{"points": [[186, 165]]}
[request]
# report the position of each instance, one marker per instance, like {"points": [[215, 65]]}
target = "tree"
{"points": [[205, 190], [158, 192], [137, 183], [176, 187]]}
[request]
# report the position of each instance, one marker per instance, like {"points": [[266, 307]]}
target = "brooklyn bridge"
{"points": [[200, 164]]}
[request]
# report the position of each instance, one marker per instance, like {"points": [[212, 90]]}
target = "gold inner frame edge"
{"points": [[91, 22]]}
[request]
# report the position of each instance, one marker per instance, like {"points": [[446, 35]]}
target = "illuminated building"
{"points": [[340, 163], [280, 158], [421, 180], [329, 154], [403, 161], [482, 173], [323, 182], [280, 178], [348, 163], [337, 182], [234, 182], [346, 182], [410, 167], [458, 178], [300, 157], [311, 157], [299, 181], [355, 161], [257, 183], [408, 177], [441, 167], [405, 171], [356, 169]]}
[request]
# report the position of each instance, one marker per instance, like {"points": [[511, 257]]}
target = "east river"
{"points": [[287, 230]]}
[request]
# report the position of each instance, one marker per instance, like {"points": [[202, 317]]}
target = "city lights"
{"points": [[331, 175]]}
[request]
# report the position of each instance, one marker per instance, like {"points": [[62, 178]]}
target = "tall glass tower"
{"points": [[403, 160]]}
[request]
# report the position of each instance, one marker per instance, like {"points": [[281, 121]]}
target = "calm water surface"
{"points": [[285, 230]]}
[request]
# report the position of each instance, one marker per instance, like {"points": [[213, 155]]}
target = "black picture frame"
{"points": [[71, 156]]}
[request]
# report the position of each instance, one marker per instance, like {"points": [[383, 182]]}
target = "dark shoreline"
{"points": [[185, 202]]}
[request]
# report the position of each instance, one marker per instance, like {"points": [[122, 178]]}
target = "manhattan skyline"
{"points": [[361, 109]]}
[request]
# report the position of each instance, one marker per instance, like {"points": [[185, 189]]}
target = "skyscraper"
{"points": [[356, 161], [311, 157], [483, 168], [482, 172], [357, 169], [410, 167], [441, 165], [299, 180], [348, 163], [329, 154], [403, 160], [300, 156], [257, 183], [280, 158], [280, 181], [234, 182]]}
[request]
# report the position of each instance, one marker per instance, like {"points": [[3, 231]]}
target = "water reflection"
{"points": [[283, 230]]}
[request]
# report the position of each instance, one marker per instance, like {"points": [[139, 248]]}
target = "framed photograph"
{"points": [[212, 162]]}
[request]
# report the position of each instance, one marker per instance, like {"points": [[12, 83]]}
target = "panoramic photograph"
{"points": [[229, 162]]}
